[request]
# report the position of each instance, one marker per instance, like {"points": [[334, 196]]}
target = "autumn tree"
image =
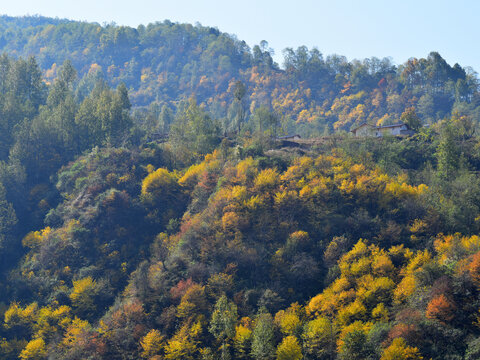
{"points": [[399, 350], [242, 339], [289, 349], [35, 350], [319, 339], [152, 343], [441, 308], [83, 296]]}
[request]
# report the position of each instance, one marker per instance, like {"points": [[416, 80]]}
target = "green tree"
{"points": [[222, 325], [165, 120], [263, 347], [356, 347], [193, 131], [265, 123], [473, 349], [239, 92], [113, 110], [22, 91], [410, 117], [448, 153], [8, 225], [63, 85]]}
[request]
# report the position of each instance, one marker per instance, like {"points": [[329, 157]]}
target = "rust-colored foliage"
{"points": [[181, 288], [474, 269], [441, 308]]}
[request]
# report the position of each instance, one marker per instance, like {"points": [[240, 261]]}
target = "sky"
{"points": [[354, 28]]}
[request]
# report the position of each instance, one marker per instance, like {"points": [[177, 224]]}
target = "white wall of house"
{"points": [[394, 130]]}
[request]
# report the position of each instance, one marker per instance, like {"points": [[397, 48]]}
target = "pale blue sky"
{"points": [[354, 28]]}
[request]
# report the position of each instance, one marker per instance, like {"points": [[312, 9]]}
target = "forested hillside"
{"points": [[147, 210], [312, 94]]}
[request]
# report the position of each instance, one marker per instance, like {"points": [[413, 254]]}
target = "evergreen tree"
{"points": [[263, 347]]}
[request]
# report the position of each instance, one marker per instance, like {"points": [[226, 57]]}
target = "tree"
{"points": [[410, 117], [473, 350], [63, 85], [151, 344], [239, 94], [242, 341], [165, 120], [289, 349], [8, 222], [319, 339], [474, 269], [441, 308], [356, 346], [22, 93], [447, 153], [193, 130], [83, 296], [266, 123], [222, 325], [114, 114], [399, 350], [183, 345], [162, 195], [35, 350], [263, 347]]}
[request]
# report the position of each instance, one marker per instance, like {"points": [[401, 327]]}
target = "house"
{"points": [[364, 130], [394, 130], [289, 137]]}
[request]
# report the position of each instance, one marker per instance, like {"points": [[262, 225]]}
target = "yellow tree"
{"points": [[152, 344], [399, 350], [242, 339], [289, 349], [83, 296], [35, 350]]}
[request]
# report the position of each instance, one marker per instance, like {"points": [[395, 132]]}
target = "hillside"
{"points": [[165, 62], [147, 210]]}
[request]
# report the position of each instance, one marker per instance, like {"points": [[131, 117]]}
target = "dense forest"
{"points": [[163, 63], [148, 210]]}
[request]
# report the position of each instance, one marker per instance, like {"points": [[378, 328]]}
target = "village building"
{"points": [[395, 130], [365, 130], [289, 137]]}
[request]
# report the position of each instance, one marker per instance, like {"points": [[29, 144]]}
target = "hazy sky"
{"points": [[354, 28]]}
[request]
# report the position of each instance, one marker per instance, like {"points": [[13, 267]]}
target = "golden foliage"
{"points": [[74, 335], [183, 345], [83, 293], [399, 350], [289, 349], [158, 181], [267, 179], [152, 343], [35, 238], [288, 321], [242, 340], [18, 316], [34, 350]]}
